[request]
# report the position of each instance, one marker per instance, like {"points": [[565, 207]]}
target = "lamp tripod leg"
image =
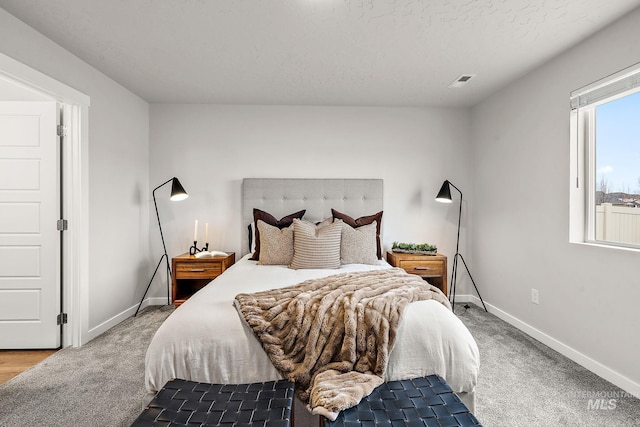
{"points": [[454, 277], [168, 281], [472, 281], [164, 256]]}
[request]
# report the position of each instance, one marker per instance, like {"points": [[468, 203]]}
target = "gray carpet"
{"points": [[522, 382], [100, 384]]}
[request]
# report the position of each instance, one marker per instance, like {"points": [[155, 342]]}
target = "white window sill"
{"points": [[608, 246]]}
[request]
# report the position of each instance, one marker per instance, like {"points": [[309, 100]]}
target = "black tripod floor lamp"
{"points": [[177, 193], [444, 196]]}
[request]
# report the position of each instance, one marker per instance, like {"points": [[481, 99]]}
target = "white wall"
{"points": [[588, 295], [118, 174], [211, 148]]}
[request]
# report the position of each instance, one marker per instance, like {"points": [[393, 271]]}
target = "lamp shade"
{"points": [[444, 195], [177, 191]]}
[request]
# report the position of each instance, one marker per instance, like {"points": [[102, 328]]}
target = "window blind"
{"points": [[608, 87]]}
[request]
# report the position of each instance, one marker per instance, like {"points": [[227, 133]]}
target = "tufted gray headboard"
{"points": [[280, 197]]}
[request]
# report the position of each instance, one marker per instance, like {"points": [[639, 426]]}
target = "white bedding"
{"points": [[205, 339]]}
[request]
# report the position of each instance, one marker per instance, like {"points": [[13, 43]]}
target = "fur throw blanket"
{"points": [[332, 336]]}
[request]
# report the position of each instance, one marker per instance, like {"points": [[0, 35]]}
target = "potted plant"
{"points": [[414, 248]]}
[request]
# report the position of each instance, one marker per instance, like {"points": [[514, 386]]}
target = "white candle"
{"points": [[206, 232], [195, 232]]}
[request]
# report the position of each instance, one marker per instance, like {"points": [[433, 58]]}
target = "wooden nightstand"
{"points": [[430, 267], [190, 274]]}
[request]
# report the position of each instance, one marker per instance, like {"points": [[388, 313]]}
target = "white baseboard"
{"points": [[594, 366], [110, 323]]}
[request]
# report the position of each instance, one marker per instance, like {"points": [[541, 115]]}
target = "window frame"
{"points": [[583, 160]]}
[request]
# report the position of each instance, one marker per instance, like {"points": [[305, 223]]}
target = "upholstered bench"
{"points": [[427, 401], [190, 403]]}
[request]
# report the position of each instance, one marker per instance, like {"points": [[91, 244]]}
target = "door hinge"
{"points": [[62, 225], [62, 318], [61, 130]]}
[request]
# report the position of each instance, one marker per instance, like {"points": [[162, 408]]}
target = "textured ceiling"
{"points": [[316, 52]]}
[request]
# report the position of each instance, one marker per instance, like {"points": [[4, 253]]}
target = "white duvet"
{"points": [[205, 339]]}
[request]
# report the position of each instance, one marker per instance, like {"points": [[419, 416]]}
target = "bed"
{"points": [[206, 340]]}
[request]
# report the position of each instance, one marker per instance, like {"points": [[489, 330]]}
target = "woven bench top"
{"points": [[182, 402], [427, 401]]}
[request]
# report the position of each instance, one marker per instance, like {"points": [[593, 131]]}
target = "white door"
{"points": [[29, 240]]}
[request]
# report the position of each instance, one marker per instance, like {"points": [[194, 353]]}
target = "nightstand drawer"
{"points": [[423, 268], [197, 270]]}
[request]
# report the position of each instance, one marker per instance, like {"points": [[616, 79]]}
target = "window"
{"points": [[605, 153]]}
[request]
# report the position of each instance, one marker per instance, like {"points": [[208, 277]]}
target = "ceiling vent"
{"points": [[462, 80]]}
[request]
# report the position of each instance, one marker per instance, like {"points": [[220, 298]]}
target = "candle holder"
{"points": [[194, 249]]}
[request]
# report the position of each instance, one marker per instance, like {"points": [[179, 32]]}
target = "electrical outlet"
{"points": [[534, 296]]}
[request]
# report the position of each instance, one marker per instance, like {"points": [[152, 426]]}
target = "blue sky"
{"points": [[618, 144]]}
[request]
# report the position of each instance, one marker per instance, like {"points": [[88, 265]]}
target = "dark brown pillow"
{"points": [[363, 220], [281, 223]]}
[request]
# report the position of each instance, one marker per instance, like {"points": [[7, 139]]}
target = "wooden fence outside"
{"points": [[617, 224]]}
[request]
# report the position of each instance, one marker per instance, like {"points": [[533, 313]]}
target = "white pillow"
{"points": [[316, 247]]}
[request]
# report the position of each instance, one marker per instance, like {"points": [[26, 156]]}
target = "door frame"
{"points": [[75, 200]]}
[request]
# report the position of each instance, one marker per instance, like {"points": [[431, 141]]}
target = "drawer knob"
{"points": [[197, 270], [421, 268]]}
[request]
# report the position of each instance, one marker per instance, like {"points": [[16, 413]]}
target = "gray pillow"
{"points": [[276, 245], [359, 245]]}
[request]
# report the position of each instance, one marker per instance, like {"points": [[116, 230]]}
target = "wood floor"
{"points": [[13, 362]]}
